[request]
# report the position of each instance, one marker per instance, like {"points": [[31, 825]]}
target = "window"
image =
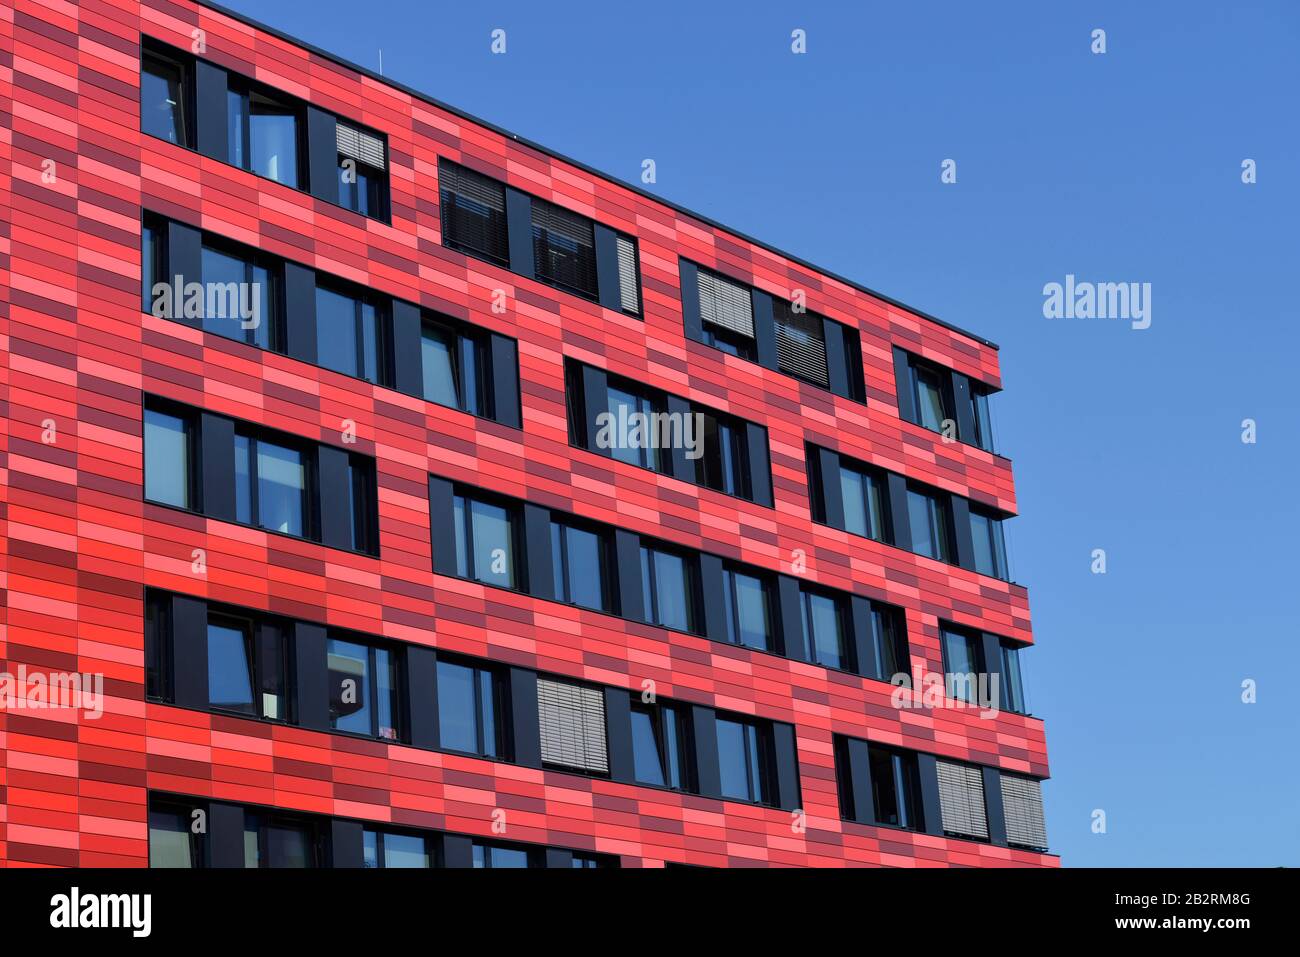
{"points": [[165, 98], [661, 746], [363, 689], [895, 787], [634, 440], [270, 485], [961, 800], [930, 393], [456, 367], [263, 134], [473, 213], [168, 457], [888, 644], [591, 862], [579, 558], [745, 759], [362, 502], [470, 709], [363, 171], [724, 461], [498, 855], [928, 514], [963, 661], [572, 722], [485, 542], [157, 647], [629, 275], [1022, 804], [864, 510], [385, 849], [990, 545], [824, 631], [349, 334], [668, 589], [173, 840], [564, 248], [801, 344], [153, 265], [1012, 686], [748, 605], [272, 839], [239, 296], [247, 668], [726, 315], [979, 400]]}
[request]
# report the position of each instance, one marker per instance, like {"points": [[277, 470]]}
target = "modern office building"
{"points": [[325, 448]]}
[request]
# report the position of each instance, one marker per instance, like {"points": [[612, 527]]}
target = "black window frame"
{"points": [[159, 662], [731, 606], [252, 258], [308, 450], [947, 532], [198, 842], [265, 818], [997, 543], [514, 519], [501, 710], [254, 93], [432, 845], [760, 763], [258, 631], [541, 239], [684, 739], [975, 649], [151, 50], [888, 632], [447, 210], [843, 624], [382, 305], [691, 570], [401, 686], [189, 418], [564, 523], [708, 466], [905, 777], [533, 854], [470, 346]]}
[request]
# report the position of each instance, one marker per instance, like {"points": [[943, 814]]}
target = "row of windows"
{"points": [[186, 832], [506, 543], [944, 401], [892, 787], [282, 306], [886, 507], [234, 471], [485, 218], [198, 105], [633, 423], [220, 658]]}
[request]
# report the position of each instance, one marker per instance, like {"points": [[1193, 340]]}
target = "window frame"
{"points": [[361, 297], [939, 520], [397, 657], [446, 211], [470, 349], [184, 67], [759, 758], [682, 739], [974, 650], [540, 238], [843, 627], [307, 451], [561, 526], [252, 260], [905, 785], [691, 574], [190, 432], [252, 93], [464, 530], [731, 604], [500, 703], [994, 536], [431, 846]]}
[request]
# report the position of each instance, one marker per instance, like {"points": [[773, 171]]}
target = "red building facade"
{"points": [[103, 569]]}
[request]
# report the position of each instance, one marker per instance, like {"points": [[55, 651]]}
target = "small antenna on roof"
{"points": [[381, 61]]}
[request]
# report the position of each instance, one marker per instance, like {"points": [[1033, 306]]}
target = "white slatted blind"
{"points": [[801, 344], [572, 719], [362, 147], [475, 186], [961, 798], [627, 287], [725, 303], [1022, 802]]}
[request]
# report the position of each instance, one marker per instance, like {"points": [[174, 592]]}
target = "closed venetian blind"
{"points": [[362, 147], [961, 798], [564, 247], [725, 304], [1022, 803], [628, 292], [801, 344], [572, 719], [473, 211]]}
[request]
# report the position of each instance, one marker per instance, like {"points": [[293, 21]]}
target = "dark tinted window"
{"points": [[745, 760], [485, 542], [724, 460], [579, 558], [668, 589], [496, 856], [963, 660], [748, 604], [661, 746], [473, 212], [385, 849], [363, 683], [239, 296], [168, 476], [990, 545], [895, 787], [564, 248], [164, 98], [349, 333], [469, 709], [928, 515]]}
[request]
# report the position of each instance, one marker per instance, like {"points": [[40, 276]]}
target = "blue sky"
{"points": [[1119, 167]]}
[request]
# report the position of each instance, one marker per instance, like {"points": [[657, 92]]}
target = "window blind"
{"points": [[1022, 802], [572, 719], [362, 147], [564, 247], [628, 292], [725, 304], [961, 798], [801, 344], [473, 211]]}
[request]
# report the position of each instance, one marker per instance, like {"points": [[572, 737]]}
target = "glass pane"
{"points": [[243, 480], [1013, 692], [732, 760], [506, 857], [462, 546], [288, 846], [149, 247], [674, 747], [964, 660], [855, 511], [557, 562], [827, 642], [480, 856], [585, 568], [752, 617], [438, 350], [386, 694], [929, 527], [162, 101], [647, 590], [336, 332], [753, 750], [875, 508], [166, 459], [457, 713], [645, 749], [472, 401], [884, 791], [230, 668], [983, 425], [369, 343], [982, 534], [226, 296], [929, 399], [252, 848], [405, 850], [273, 141], [349, 677], [236, 117], [263, 295], [889, 657], [281, 485], [671, 591], [626, 443], [487, 712], [369, 849], [170, 844], [493, 544]]}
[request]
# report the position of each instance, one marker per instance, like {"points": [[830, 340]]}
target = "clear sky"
{"points": [[1117, 167]]}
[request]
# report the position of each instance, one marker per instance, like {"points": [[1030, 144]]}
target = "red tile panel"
{"points": [[78, 544]]}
